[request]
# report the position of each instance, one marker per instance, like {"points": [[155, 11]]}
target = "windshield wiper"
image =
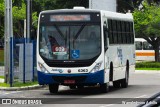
{"points": [[59, 31], [79, 31]]}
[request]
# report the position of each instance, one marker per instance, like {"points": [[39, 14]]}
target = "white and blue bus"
{"points": [[84, 47]]}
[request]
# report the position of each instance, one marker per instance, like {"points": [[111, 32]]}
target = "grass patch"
{"points": [[1, 57], [19, 84], [4, 85], [2, 77], [148, 65]]}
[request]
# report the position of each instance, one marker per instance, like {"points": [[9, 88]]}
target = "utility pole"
{"points": [[28, 19], [27, 35], [6, 44], [8, 35]]}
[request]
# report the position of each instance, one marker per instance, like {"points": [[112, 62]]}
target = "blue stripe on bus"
{"points": [[91, 78]]}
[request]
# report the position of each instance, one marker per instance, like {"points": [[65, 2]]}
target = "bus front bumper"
{"points": [[89, 78]]}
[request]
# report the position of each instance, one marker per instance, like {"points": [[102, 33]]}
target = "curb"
{"points": [[147, 71], [21, 88]]}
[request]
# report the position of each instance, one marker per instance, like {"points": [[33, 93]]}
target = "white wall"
{"points": [[109, 5]]}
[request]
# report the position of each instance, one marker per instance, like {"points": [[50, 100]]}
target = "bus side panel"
{"points": [[119, 54], [117, 68], [129, 55]]}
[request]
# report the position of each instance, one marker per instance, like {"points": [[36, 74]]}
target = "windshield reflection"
{"points": [[73, 42]]}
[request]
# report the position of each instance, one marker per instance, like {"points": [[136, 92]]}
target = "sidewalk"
{"points": [[1, 80], [16, 88], [147, 71], [19, 88]]}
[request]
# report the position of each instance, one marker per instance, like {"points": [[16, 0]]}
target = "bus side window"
{"points": [[147, 46], [105, 31], [114, 31], [119, 32], [128, 33], [138, 45], [123, 32], [131, 33], [110, 31]]}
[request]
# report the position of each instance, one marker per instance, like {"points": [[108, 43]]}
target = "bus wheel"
{"points": [[53, 88], [72, 86], [104, 87], [124, 82], [116, 84]]}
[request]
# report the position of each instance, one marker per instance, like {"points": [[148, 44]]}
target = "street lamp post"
{"points": [[28, 19], [8, 40]]}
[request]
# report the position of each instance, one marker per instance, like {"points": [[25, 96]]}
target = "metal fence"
{"points": [[24, 60], [2, 70]]}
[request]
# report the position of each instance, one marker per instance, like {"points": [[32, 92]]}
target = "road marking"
{"points": [[107, 105], [6, 93], [146, 72], [142, 96]]}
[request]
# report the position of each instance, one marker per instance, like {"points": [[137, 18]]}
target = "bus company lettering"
{"points": [[83, 70], [59, 70]]}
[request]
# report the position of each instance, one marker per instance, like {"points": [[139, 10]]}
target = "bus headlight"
{"points": [[96, 67], [43, 69]]}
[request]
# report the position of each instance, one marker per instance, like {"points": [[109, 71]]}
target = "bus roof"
{"points": [[108, 14], [120, 16], [69, 10], [140, 39]]}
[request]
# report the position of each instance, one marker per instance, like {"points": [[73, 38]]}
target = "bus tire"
{"points": [[117, 84], [53, 88], [104, 87], [124, 82], [111, 72], [72, 86]]}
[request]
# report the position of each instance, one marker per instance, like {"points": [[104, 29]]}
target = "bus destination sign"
{"points": [[63, 18]]}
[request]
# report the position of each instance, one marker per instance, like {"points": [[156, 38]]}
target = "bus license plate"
{"points": [[69, 81]]}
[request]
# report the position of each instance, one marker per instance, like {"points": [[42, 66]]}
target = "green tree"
{"points": [[1, 18], [147, 24], [125, 5], [19, 14], [40, 5], [18, 17]]}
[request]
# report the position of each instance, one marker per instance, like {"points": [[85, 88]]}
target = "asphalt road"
{"points": [[141, 85]]}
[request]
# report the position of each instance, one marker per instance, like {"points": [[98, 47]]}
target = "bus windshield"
{"points": [[79, 41]]}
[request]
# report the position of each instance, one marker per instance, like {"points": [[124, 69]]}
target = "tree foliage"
{"points": [[40, 5], [19, 11], [125, 5], [19, 14], [1, 7], [147, 24], [1, 18]]}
